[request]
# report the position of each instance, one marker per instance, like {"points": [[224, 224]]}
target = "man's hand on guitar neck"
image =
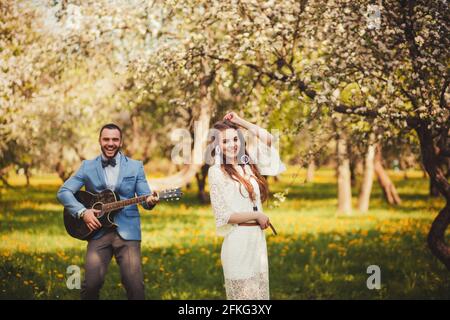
{"points": [[153, 199], [90, 218]]}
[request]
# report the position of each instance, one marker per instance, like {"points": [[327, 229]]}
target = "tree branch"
{"points": [[303, 87]]}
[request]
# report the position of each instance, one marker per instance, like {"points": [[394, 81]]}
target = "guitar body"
{"points": [[77, 228], [109, 204]]}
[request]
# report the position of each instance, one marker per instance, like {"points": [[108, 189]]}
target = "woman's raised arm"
{"points": [[261, 133]]}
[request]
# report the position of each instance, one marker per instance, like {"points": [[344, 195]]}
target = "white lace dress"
{"points": [[244, 249]]}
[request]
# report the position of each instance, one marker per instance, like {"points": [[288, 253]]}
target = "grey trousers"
{"points": [[98, 256]]}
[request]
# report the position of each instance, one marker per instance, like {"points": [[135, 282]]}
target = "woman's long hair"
{"points": [[230, 170]]}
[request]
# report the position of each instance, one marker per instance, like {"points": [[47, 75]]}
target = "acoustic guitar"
{"points": [[109, 205]]}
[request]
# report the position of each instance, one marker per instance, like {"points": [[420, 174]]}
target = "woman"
{"points": [[237, 190]]}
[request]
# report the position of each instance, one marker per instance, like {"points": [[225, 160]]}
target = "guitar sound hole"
{"points": [[98, 206]]}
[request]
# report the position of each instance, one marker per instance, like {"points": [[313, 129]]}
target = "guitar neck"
{"points": [[123, 203]]}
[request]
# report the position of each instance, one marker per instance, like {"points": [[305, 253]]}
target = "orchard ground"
{"points": [[316, 255]]}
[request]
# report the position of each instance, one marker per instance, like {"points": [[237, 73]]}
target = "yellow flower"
{"points": [[332, 246]]}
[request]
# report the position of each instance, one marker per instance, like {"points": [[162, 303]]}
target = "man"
{"points": [[114, 171]]}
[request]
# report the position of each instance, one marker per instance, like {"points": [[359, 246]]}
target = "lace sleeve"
{"points": [[266, 158], [221, 209]]}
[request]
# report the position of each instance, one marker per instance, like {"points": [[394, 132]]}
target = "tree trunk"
{"points": [[424, 171], [3, 176], [445, 168], [63, 174], [343, 177], [5, 182], [430, 160], [434, 191], [60, 169], [352, 165], [201, 182], [386, 184], [27, 172], [366, 187], [310, 171], [185, 175], [182, 178]]}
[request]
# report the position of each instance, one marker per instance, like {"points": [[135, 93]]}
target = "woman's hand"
{"points": [[263, 221], [261, 133], [233, 117]]}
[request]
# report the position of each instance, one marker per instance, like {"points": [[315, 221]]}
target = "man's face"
{"points": [[110, 142]]}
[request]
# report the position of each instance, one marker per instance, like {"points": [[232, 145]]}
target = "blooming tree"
{"points": [[394, 54]]}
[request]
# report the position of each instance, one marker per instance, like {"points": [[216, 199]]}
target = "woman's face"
{"points": [[229, 143]]}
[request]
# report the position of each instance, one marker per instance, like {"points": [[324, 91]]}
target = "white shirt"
{"points": [[111, 176], [112, 173]]}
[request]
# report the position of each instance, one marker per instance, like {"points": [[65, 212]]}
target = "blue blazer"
{"points": [[131, 182]]}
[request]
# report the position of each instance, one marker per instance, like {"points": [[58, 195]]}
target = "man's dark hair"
{"points": [[110, 126]]}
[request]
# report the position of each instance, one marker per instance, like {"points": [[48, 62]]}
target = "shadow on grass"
{"points": [[50, 222]]}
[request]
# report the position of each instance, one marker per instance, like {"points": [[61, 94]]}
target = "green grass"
{"points": [[317, 254]]}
